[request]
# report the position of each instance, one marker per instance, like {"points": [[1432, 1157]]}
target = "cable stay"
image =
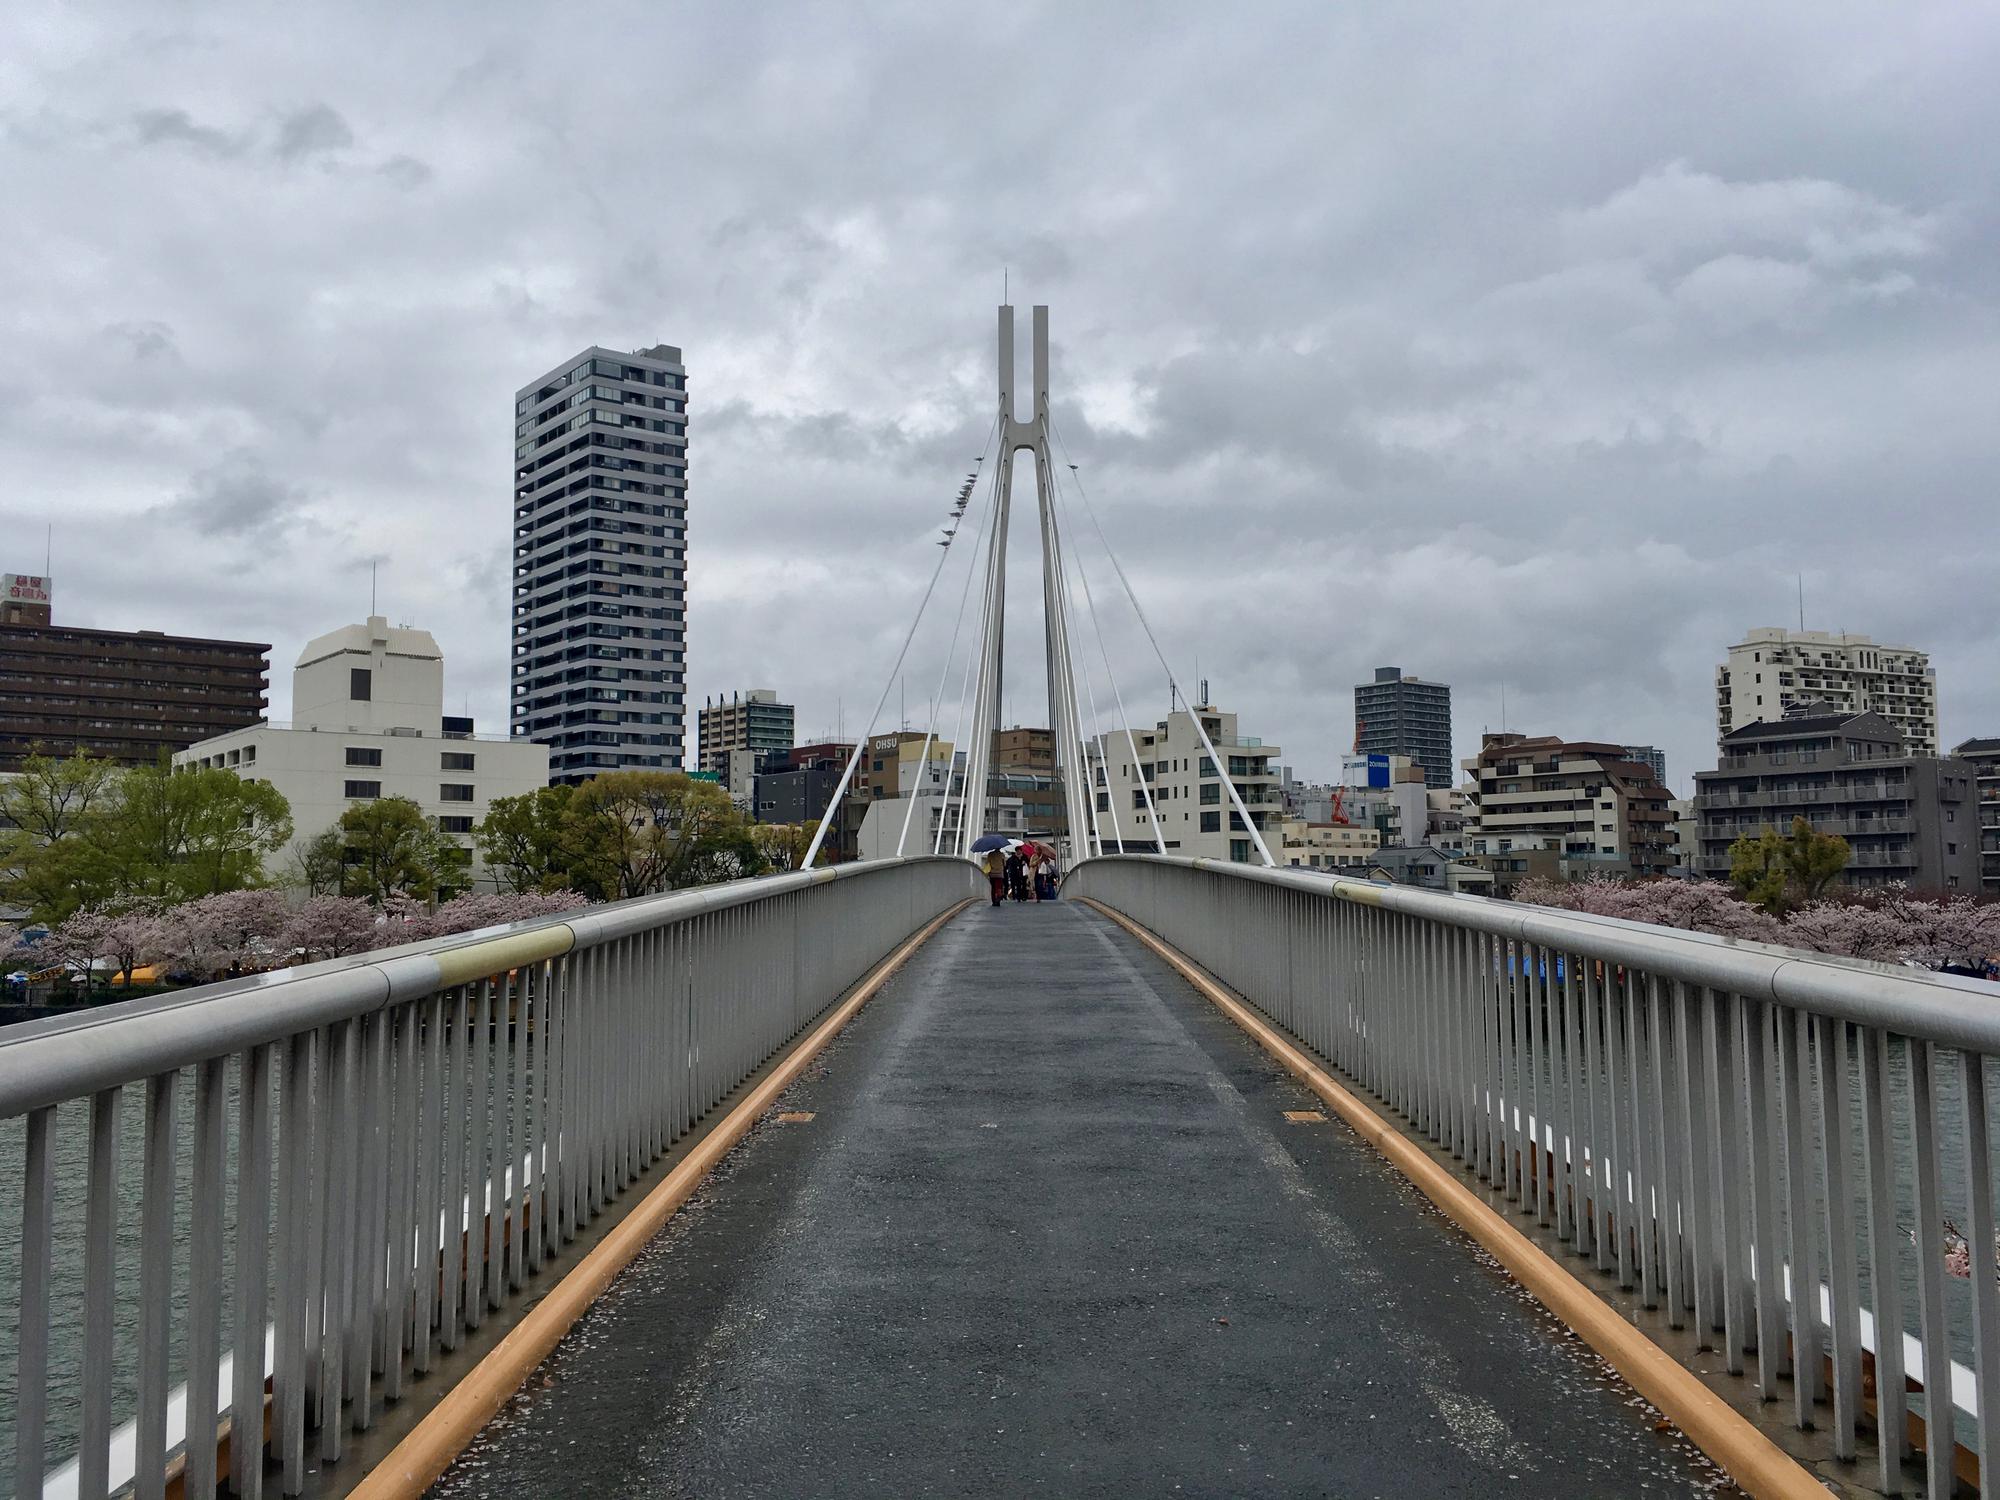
{"points": [[861, 745], [1222, 768]]}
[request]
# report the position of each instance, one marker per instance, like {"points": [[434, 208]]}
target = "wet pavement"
{"points": [[1049, 1231]]}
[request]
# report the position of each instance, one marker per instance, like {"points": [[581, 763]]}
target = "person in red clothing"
{"points": [[996, 873]]}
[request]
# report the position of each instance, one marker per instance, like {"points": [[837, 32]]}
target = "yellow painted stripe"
{"points": [[1359, 892], [1750, 1458], [498, 955], [428, 1451]]}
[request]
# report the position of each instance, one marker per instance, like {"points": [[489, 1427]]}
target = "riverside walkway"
{"points": [[1048, 1229]]}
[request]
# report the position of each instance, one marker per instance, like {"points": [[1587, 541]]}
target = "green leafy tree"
{"points": [[319, 864], [51, 867], [49, 799], [177, 833], [782, 845], [390, 848], [544, 841], [660, 830], [1782, 872]]}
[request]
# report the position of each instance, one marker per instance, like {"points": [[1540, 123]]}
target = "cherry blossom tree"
{"points": [[124, 938], [330, 927]]}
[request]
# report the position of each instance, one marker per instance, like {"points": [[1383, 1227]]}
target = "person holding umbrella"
{"points": [[996, 871], [1017, 868]]}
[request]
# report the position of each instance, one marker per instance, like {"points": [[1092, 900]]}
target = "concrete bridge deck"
{"points": [[1048, 1230]]}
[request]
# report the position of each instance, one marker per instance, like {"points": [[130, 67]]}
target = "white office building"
{"points": [[1774, 671], [1196, 816], [600, 562], [368, 721]]}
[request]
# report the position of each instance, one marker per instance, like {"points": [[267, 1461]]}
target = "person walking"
{"points": [[1045, 872], [996, 873], [1017, 885]]}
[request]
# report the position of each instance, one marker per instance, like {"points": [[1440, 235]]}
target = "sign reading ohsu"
{"points": [[25, 587]]}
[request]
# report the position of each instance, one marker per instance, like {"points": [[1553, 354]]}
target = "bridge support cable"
{"points": [[1083, 757], [861, 745], [944, 676], [1221, 767], [1118, 700], [1085, 799], [975, 653], [958, 745], [992, 629], [1065, 732]]}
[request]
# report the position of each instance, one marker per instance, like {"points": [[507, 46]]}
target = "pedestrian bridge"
{"points": [[1204, 1177]]}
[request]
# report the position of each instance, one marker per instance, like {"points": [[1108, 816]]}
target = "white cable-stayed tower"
{"points": [[982, 685], [1030, 436]]}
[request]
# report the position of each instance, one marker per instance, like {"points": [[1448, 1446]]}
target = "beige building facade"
{"points": [[1194, 811], [1774, 671], [369, 722]]}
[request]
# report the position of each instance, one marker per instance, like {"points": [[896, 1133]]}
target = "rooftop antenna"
{"points": [[49, 551], [371, 590], [1802, 603], [1503, 708], [1003, 286]]}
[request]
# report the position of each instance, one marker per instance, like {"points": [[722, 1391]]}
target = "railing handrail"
{"points": [[70, 1057], [1947, 1009]]}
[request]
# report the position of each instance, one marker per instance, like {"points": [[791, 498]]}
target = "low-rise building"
{"points": [[1325, 846], [1581, 801], [1983, 755], [368, 722], [1196, 815], [1433, 869], [1908, 818]]}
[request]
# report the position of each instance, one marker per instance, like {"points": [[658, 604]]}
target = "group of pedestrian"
{"points": [[1023, 872]]}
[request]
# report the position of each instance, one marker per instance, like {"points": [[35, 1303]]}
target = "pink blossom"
{"points": [[329, 927]]}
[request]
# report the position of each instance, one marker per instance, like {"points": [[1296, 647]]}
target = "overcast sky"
{"points": [[1535, 344]]}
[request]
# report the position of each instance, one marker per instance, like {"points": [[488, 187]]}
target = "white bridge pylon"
{"points": [[1065, 722], [985, 658]]}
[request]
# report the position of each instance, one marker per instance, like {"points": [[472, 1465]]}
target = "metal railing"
{"points": [[342, 1168], [1791, 1154]]}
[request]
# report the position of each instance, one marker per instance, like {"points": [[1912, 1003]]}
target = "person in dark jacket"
{"points": [[1017, 875]]}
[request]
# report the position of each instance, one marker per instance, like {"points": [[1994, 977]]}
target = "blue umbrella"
{"points": [[990, 841]]}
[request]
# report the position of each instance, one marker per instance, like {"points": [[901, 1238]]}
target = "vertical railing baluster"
{"points": [[1760, 1069], [1837, 1135], [100, 1270], [31, 1365], [255, 1248], [204, 1290], [1980, 1244], [1878, 1154], [1940, 1446], [156, 1267], [1794, 1057]]}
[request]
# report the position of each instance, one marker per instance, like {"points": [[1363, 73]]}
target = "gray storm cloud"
{"points": [[1542, 346]]}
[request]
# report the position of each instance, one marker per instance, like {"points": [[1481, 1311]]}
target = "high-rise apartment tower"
{"points": [[1398, 715], [1774, 673], [600, 549]]}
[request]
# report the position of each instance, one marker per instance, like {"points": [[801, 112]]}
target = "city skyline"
{"points": [[1578, 453]]}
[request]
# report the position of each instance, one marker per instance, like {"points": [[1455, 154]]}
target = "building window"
{"points": [[360, 684], [456, 760], [454, 791], [364, 788], [454, 825], [359, 757], [1211, 822]]}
